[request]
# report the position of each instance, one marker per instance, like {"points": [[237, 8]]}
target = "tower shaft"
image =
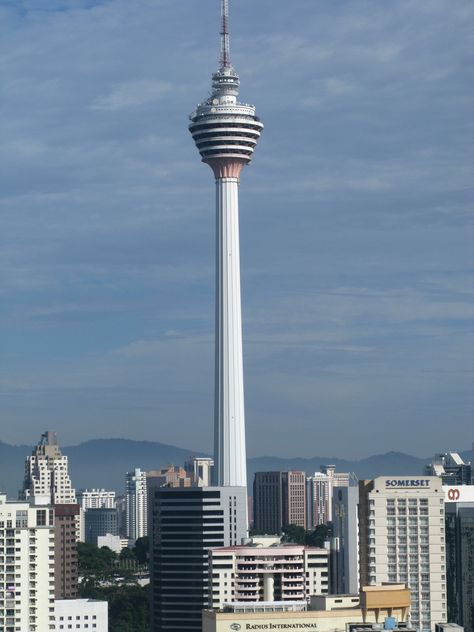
{"points": [[229, 420]]}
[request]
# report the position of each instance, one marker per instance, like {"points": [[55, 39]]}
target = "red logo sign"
{"points": [[453, 494]]}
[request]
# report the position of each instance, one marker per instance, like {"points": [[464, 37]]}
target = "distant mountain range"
{"points": [[103, 463]]}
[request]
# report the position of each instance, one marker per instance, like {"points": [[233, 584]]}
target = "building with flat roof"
{"points": [[65, 550], [100, 522], [136, 508], [345, 541], [96, 499], [186, 523], [459, 506], [253, 573], [323, 614], [319, 494], [279, 499], [26, 567], [81, 615], [402, 539]]}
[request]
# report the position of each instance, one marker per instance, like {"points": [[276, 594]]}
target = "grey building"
{"points": [[100, 522], [345, 541], [451, 468], [279, 499], [460, 563], [186, 523]]}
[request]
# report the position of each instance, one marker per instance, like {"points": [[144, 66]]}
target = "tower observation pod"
{"points": [[226, 132]]}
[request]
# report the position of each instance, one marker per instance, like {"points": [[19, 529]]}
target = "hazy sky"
{"points": [[356, 223]]}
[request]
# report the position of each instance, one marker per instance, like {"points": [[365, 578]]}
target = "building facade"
{"points": [[65, 551], [250, 573], [81, 615], [460, 554], [100, 522], [279, 499], [27, 567], [451, 468], [402, 539], [96, 499], [136, 504], [186, 523], [47, 473], [319, 494], [345, 541]]}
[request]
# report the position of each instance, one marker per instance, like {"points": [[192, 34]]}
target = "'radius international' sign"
{"points": [[281, 626]]}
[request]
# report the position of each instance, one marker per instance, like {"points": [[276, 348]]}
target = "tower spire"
{"points": [[225, 42]]}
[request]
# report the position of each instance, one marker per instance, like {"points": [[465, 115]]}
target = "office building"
{"points": [[451, 468], [187, 522], [170, 476], [96, 499], [26, 567], [136, 504], [375, 608], [402, 539], [113, 542], [47, 474], [319, 494], [279, 500], [100, 522], [345, 541], [81, 615], [459, 506], [254, 573], [65, 551], [226, 132]]}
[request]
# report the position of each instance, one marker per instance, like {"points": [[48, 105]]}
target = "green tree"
{"points": [[141, 550], [295, 534], [318, 536]]}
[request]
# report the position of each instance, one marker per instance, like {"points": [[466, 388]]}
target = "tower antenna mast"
{"points": [[225, 43]]}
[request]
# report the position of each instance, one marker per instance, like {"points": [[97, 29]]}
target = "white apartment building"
{"points": [[47, 474], [252, 573], [402, 539], [319, 494], [136, 504], [26, 567], [81, 615], [96, 499]]}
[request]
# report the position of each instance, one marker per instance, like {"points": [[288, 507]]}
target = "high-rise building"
{"points": [[451, 468], [100, 522], [96, 499], [47, 474], [169, 476], [136, 504], [187, 522], [402, 539], [252, 573], [345, 541], [65, 548], [46, 481], [460, 554], [226, 132], [26, 566], [319, 494], [279, 499]]}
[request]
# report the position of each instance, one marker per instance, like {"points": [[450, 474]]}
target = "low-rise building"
{"points": [[337, 612], [254, 573], [81, 615]]}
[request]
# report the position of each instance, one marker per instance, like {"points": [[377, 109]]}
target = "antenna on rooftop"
{"points": [[225, 43]]}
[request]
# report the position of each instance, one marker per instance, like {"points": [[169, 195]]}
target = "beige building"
{"points": [[279, 499], [253, 573], [402, 539], [331, 613]]}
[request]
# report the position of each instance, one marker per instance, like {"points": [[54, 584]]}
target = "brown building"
{"points": [[65, 550], [279, 500]]}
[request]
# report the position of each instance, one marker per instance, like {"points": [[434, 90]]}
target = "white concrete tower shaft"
{"points": [[226, 133]]}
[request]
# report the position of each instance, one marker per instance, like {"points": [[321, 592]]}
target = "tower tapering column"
{"points": [[226, 133]]}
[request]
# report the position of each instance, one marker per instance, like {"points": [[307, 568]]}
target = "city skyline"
{"points": [[355, 226]]}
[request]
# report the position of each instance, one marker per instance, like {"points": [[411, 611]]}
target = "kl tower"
{"points": [[226, 132]]}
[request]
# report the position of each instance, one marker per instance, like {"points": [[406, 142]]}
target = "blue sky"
{"points": [[356, 223]]}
